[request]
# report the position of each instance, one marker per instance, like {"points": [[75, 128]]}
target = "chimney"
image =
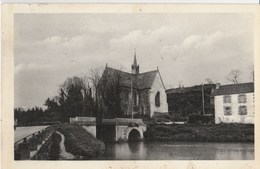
{"points": [[218, 85]]}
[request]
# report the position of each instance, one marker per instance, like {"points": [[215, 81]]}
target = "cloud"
{"points": [[186, 47], [216, 46], [55, 40], [31, 67]]}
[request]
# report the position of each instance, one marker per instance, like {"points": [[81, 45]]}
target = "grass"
{"points": [[55, 147], [201, 133], [79, 142]]}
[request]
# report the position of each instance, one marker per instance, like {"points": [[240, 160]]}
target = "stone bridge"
{"points": [[118, 129]]}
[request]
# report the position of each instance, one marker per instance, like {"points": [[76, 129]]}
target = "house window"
{"points": [[242, 98], [227, 99], [227, 111], [157, 99], [242, 110]]}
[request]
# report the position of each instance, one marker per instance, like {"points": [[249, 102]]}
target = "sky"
{"points": [[186, 47]]}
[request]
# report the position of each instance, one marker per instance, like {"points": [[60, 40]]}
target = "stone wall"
{"points": [[122, 132], [91, 129]]}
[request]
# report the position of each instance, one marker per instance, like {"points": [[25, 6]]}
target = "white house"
{"points": [[234, 103]]}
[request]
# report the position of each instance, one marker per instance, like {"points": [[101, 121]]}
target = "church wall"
{"points": [[158, 87], [144, 101]]}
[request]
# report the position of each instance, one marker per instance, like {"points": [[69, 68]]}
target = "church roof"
{"points": [[145, 80], [140, 81], [234, 89]]}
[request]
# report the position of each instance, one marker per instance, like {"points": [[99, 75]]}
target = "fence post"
{"points": [[24, 150], [33, 143], [39, 138]]}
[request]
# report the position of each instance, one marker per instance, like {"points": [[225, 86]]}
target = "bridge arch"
{"points": [[134, 134]]}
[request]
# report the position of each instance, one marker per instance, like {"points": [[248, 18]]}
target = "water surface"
{"points": [[179, 151], [163, 150]]}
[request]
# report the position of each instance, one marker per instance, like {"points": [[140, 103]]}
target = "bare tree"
{"points": [[209, 81], [234, 76], [180, 84], [94, 77]]}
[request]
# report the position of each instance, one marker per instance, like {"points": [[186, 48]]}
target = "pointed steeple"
{"points": [[135, 67], [135, 62]]}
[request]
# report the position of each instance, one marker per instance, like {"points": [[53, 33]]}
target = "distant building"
{"points": [[234, 103], [140, 93]]}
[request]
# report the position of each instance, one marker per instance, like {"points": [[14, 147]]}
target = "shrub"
{"points": [[79, 142], [209, 133]]}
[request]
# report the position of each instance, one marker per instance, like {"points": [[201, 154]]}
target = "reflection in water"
{"points": [[135, 146], [179, 151]]}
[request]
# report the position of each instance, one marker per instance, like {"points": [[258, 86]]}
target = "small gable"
{"points": [[157, 82]]}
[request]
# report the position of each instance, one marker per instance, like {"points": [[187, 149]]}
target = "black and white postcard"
{"points": [[130, 86]]}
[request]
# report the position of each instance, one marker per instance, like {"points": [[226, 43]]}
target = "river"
{"points": [[178, 151], [165, 150]]}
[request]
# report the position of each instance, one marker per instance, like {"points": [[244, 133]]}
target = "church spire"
{"points": [[135, 67], [135, 62]]}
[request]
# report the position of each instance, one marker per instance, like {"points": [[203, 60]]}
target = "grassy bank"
{"points": [[79, 142], [55, 147], [201, 133]]}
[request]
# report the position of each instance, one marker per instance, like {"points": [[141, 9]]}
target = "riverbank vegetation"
{"points": [[186, 101], [201, 133], [55, 147], [79, 142]]}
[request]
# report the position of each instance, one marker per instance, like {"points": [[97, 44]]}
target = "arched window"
{"points": [[157, 99]]}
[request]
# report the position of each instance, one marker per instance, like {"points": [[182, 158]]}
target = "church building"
{"points": [[140, 93]]}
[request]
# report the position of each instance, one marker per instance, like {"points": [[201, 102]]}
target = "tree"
{"points": [[109, 90], [94, 78], [209, 81], [234, 76], [51, 104], [75, 97], [180, 84], [52, 112]]}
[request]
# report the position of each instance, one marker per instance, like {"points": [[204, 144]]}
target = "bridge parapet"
{"points": [[34, 146], [123, 121], [116, 121], [117, 129]]}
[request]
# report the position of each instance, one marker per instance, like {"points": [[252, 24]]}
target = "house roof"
{"points": [[234, 89], [140, 81], [196, 88]]}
